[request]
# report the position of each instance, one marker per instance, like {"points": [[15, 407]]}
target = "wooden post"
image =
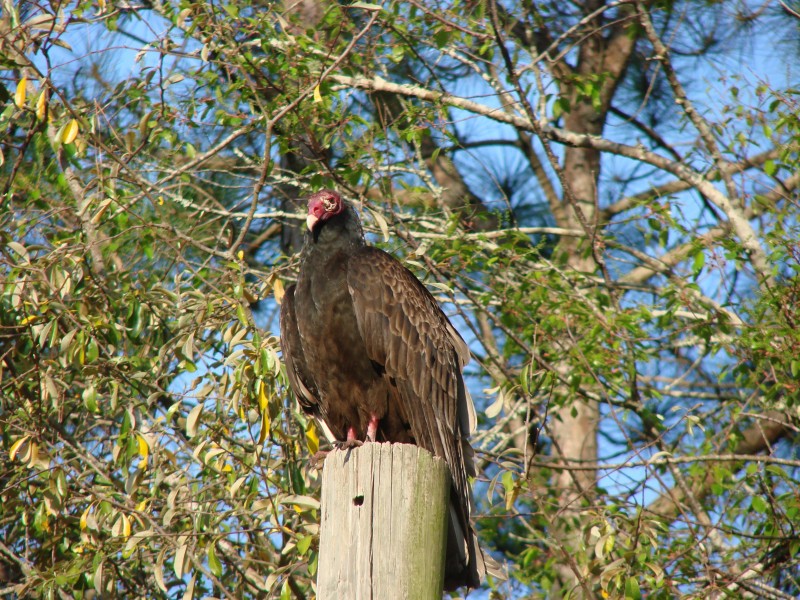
{"points": [[384, 524]]}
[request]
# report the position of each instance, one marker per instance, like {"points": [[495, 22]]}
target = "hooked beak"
{"points": [[311, 221]]}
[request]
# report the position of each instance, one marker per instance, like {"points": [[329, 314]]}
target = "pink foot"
{"points": [[372, 429], [351, 442]]}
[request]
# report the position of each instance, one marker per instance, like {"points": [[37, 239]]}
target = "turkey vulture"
{"points": [[371, 356]]}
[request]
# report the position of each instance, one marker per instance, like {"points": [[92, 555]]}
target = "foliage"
{"points": [[600, 195]]}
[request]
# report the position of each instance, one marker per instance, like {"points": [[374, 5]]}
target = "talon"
{"points": [[348, 444], [318, 460]]}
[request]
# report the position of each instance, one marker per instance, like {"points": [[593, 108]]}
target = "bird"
{"points": [[370, 354]]}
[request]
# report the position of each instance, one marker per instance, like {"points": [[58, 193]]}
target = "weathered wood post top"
{"points": [[384, 524]]}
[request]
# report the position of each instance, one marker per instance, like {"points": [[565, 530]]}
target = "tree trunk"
{"points": [[575, 424]]}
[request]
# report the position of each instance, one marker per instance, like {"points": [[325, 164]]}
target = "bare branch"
{"points": [[679, 185], [759, 437]]}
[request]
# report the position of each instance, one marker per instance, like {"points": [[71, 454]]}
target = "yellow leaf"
{"points": [[317, 94], [179, 564], [189, 593], [263, 399], [46, 524], [609, 545], [192, 419], [511, 497], [265, 423], [384, 226], [122, 526], [144, 448], [236, 485], [34, 459], [100, 210], [22, 90], [158, 571], [70, 132], [16, 446], [312, 439], [278, 291], [85, 516], [98, 579], [240, 255], [41, 105]]}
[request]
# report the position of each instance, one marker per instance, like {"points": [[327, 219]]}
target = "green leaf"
{"points": [[632, 591], [135, 322], [240, 312], [89, 397], [286, 591], [313, 563], [213, 561], [758, 504], [560, 106], [92, 351], [304, 543], [19, 249], [698, 262]]}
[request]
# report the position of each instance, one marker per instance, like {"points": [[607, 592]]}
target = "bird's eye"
{"points": [[329, 204]]}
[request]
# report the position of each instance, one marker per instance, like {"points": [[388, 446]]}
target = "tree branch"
{"points": [[759, 437], [740, 224], [679, 185]]}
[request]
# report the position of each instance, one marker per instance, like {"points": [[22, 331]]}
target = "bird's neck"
{"points": [[340, 235], [341, 232]]}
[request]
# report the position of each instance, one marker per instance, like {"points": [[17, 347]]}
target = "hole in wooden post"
{"points": [[358, 500]]}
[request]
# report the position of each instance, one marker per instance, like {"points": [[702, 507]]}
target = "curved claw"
{"points": [[318, 460], [348, 444]]}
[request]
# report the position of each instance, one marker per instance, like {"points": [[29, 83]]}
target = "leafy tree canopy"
{"points": [[603, 195]]}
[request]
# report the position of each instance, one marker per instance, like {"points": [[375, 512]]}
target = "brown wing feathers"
{"points": [[412, 338], [300, 378]]}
